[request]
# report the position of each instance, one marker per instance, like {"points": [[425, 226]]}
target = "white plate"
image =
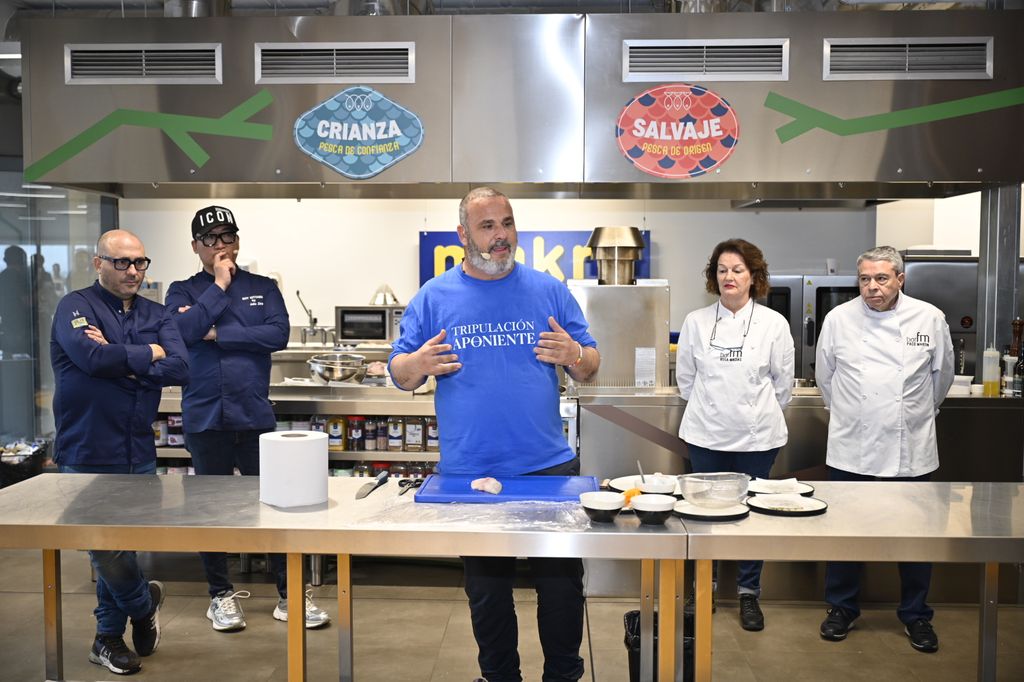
{"points": [[688, 510], [765, 486], [624, 483], [787, 505]]}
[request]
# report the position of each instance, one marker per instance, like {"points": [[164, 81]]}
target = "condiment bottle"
{"points": [[414, 434], [336, 434], [990, 372], [396, 433], [355, 433], [433, 441], [370, 434], [382, 434]]}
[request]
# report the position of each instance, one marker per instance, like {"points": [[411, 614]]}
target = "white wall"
{"points": [[338, 251]]}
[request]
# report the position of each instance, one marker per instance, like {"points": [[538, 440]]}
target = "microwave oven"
{"points": [[368, 323], [805, 300]]}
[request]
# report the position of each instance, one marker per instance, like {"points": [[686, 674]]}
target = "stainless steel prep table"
{"points": [[223, 513], [875, 521]]}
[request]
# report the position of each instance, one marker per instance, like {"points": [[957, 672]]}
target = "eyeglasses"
{"points": [[229, 237], [141, 264]]}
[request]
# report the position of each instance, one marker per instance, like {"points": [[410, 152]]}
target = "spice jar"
{"points": [[381, 466], [370, 434], [399, 469], [414, 434], [355, 433], [433, 442], [362, 470], [175, 435], [336, 434], [396, 433]]}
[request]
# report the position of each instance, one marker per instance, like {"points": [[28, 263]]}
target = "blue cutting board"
{"points": [[455, 488]]}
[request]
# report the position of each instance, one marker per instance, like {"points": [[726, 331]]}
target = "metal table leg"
{"points": [[316, 570], [647, 619], [296, 620], [987, 622], [345, 659], [52, 625], [702, 622]]}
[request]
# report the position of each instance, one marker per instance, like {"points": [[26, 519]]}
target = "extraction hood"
{"points": [[833, 107]]}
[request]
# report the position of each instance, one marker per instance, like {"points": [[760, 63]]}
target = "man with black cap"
{"points": [[231, 321]]}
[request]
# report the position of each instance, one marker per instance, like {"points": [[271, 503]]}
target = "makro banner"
{"points": [[677, 131], [359, 132], [562, 254]]}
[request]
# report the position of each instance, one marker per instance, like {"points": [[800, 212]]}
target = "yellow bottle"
{"points": [[990, 372]]}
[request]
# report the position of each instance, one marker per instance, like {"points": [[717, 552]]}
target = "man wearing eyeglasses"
{"points": [[884, 364], [231, 321], [112, 353]]}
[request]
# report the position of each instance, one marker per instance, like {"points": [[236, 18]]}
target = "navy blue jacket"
{"points": [[107, 396], [230, 376]]}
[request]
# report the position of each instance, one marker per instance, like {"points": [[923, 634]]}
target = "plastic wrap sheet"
{"points": [[403, 513]]}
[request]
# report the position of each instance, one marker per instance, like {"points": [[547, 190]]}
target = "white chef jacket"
{"points": [[882, 376], [735, 400]]}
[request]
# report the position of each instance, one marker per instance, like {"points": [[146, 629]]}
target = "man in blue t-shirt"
{"points": [[492, 334], [231, 321]]}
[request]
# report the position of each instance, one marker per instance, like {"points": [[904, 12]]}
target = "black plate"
{"points": [[695, 513], [756, 501]]}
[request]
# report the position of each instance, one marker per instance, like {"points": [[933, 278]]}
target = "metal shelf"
{"points": [[344, 456]]}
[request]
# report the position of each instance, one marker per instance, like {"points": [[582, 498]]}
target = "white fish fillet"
{"points": [[487, 485]]}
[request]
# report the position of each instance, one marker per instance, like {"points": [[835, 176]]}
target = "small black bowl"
{"points": [[653, 518], [601, 515]]}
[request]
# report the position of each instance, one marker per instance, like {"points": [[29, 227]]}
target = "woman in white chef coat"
{"points": [[734, 367]]}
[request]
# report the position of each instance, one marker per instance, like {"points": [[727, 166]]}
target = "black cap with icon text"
{"points": [[210, 217]]}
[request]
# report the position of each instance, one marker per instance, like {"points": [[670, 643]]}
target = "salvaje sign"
{"points": [[677, 131]]}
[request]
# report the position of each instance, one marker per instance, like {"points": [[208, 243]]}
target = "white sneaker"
{"points": [[316, 617], [226, 612]]}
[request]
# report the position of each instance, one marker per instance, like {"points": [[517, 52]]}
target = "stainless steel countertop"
{"points": [[880, 521], [187, 513], [979, 522]]}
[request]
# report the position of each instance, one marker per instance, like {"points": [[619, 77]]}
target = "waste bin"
{"points": [[631, 620]]}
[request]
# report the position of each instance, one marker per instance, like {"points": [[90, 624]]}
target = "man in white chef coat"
{"points": [[884, 364]]}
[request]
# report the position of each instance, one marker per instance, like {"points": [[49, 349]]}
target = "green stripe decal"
{"points": [[179, 128], [807, 118]]}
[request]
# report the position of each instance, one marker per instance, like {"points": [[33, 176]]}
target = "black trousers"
{"points": [[559, 585]]}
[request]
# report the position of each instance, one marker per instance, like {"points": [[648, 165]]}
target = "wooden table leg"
{"points": [[702, 623], [987, 622], [52, 624], [296, 620], [346, 661], [647, 619], [670, 651]]}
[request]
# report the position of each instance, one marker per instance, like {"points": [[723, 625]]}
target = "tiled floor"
{"points": [[412, 624]]}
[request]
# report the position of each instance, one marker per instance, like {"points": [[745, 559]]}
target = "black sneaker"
{"points": [[111, 652], [922, 636], [146, 631], [751, 617], [836, 625]]}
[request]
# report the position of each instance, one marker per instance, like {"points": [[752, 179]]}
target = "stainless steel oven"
{"points": [[368, 323], [805, 300]]}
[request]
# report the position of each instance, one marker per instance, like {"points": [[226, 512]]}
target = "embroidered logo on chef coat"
{"points": [[79, 322], [919, 340], [254, 300]]}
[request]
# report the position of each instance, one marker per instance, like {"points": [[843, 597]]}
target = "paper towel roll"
{"points": [[293, 468]]}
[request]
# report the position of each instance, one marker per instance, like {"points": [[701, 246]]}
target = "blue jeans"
{"points": [[122, 592], [217, 453], [842, 578], [757, 464], [559, 585]]}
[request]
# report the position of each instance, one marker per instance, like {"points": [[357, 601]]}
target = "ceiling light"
{"points": [[25, 195], [67, 212]]}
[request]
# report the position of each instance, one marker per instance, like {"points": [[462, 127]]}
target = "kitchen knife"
{"points": [[368, 488]]}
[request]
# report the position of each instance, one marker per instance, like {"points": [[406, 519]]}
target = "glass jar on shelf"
{"points": [[399, 469], [362, 470], [396, 434]]}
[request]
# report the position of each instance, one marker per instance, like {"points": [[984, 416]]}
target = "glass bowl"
{"points": [[714, 490]]}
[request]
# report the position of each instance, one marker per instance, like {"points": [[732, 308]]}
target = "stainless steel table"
{"points": [[873, 521], [170, 513]]}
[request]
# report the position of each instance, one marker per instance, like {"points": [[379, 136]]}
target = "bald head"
{"points": [[119, 244], [115, 240]]}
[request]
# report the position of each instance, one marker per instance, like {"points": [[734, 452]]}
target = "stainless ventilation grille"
{"points": [[142, 64], [705, 60], [336, 62], [907, 58]]}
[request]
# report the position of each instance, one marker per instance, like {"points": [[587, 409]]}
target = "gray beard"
{"points": [[488, 267]]}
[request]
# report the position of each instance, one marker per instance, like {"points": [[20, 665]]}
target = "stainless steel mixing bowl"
{"points": [[329, 367]]}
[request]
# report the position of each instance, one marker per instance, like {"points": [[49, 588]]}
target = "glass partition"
{"points": [[47, 237]]}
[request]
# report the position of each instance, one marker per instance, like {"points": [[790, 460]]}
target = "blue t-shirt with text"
{"points": [[498, 414]]}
